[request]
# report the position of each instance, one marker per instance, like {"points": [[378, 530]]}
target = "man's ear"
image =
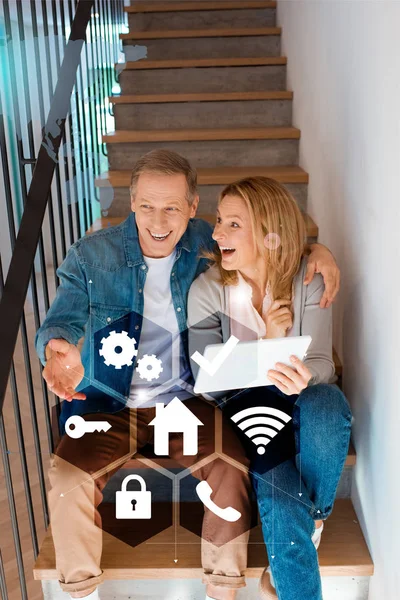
{"points": [[194, 206], [133, 205]]}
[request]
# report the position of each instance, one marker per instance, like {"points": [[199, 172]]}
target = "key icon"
{"points": [[76, 426]]}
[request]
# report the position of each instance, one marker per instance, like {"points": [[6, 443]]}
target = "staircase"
{"points": [[211, 87]]}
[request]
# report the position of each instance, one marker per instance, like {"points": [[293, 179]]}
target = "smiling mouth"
{"points": [[160, 237], [226, 251]]}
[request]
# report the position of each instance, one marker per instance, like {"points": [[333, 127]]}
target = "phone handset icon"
{"points": [[204, 492]]}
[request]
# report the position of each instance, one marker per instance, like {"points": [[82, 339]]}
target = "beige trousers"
{"points": [[80, 469]]}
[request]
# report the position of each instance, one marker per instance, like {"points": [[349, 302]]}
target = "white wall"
{"points": [[344, 68]]}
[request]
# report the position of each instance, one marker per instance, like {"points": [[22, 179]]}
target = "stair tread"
{"points": [[200, 97], [183, 63], [218, 175], [199, 33], [202, 134], [148, 7], [343, 552]]}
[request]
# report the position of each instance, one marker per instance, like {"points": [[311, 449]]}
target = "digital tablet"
{"points": [[247, 363]]}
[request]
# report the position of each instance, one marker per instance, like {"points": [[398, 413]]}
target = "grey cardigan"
{"points": [[209, 322]]}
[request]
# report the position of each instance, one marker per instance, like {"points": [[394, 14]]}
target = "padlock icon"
{"points": [[133, 505]]}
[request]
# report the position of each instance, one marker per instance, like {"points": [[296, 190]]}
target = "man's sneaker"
{"points": [[93, 596]]}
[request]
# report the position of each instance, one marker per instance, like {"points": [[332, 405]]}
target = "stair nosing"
{"points": [[201, 97], [145, 7], [184, 63], [200, 33], [201, 134], [222, 175], [364, 570]]}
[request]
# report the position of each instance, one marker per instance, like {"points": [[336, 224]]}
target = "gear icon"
{"points": [[149, 367], [113, 341]]}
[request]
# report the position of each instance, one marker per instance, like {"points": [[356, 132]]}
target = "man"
{"points": [[135, 277]]}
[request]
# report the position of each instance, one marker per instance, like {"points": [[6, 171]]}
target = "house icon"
{"points": [[175, 418]]}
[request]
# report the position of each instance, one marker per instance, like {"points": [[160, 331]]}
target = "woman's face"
{"points": [[234, 236]]}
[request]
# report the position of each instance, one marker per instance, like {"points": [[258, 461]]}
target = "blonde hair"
{"points": [[165, 162], [273, 210]]}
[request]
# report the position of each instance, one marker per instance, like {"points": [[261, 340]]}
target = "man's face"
{"points": [[162, 212]]}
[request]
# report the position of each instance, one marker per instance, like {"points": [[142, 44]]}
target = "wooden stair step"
{"points": [[186, 135], [149, 7], [343, 552], [201, 33], [200, 97], [184, 63], [217, 176]]}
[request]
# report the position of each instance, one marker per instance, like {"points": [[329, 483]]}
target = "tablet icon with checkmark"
{"points": [[211, 367]]}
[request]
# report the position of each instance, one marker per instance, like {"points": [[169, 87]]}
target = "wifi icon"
{"points": [[261, 424]]}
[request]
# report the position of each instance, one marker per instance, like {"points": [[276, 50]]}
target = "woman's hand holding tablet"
{"points": [[290, 380]]}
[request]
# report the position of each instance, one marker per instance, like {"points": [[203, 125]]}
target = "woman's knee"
{"points": [[284, 512], [324, 398]]}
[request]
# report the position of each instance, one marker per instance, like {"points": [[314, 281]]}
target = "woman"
{"points": [[254, 289]]}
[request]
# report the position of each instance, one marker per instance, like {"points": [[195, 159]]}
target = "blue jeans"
{"points": [[321, 423]]}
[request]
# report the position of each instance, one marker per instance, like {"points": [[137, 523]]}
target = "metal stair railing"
{"points": [[58, 58]]}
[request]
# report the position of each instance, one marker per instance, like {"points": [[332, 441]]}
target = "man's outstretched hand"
{"points": [[64, 370], [321, 260]]}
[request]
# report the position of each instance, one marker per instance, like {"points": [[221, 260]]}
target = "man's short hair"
{"points": [[165, 162]]}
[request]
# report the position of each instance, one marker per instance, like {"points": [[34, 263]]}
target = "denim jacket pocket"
{"points": [[105, 314]]}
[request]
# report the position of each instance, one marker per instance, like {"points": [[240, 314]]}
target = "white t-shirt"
{"points": [[160, 340]]}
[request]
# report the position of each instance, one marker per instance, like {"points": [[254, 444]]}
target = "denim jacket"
{"points": [[101, 290]]}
